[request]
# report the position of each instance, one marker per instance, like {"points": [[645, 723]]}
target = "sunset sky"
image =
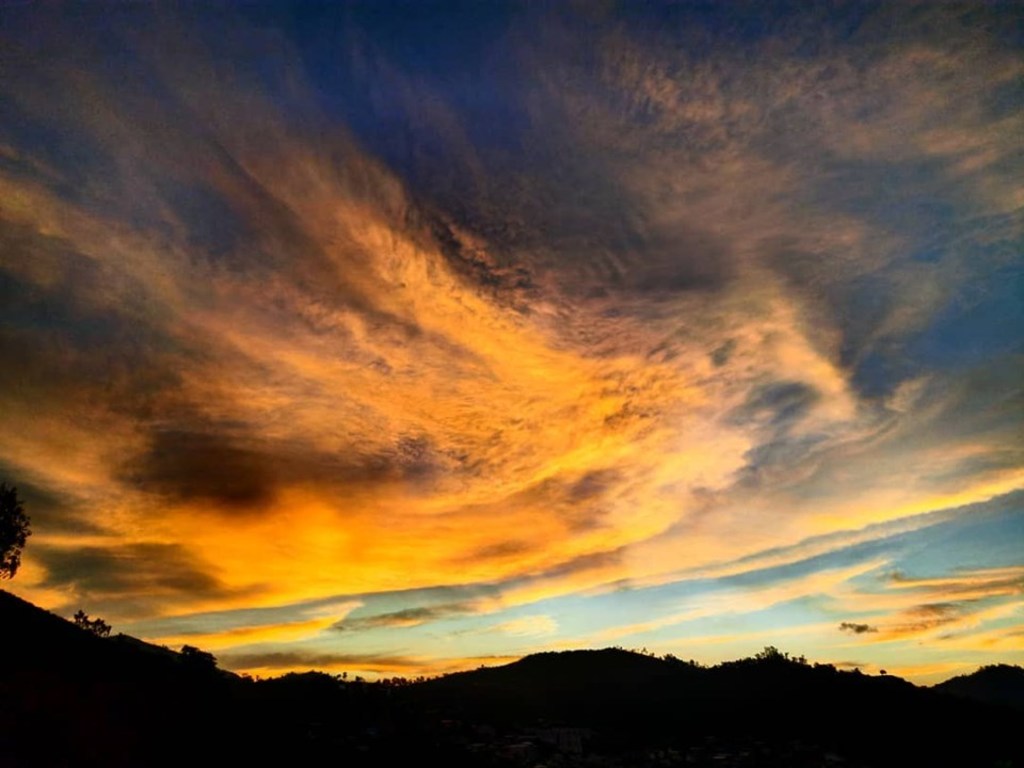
{"points": [[395, 338]]}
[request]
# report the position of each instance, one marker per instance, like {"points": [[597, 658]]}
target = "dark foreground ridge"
{"points": [[70, 698]]}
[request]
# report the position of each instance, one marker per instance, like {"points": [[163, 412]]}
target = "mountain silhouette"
{"points": [[70, 698], [634, 700], [997, 684]]}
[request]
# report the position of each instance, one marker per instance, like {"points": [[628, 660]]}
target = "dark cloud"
{"points": [[573, 499], [779, 404], [857, 629], [721, 354], [505, 279], [937, 610], [444, 599], [239, 473], [931, 615], [593, 484], [71, 339], [313, 660], [998, 459], [779, 456], [192, 466], [501, 549], [523, 175], [51, 511], [370, 661], [675, 262], [850, 664], [178, 150], [583, 563], [837, 290], [997, 583], [405, 618], [776, 460], [928, 616], [595, 251], [126, 569], [983, 399]]}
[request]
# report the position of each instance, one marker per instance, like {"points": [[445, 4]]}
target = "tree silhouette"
{"points": [[97, 626], [773, 655], [14, 530], [198, 659]]}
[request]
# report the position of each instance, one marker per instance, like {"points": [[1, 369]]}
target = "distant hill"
{"points": [[634, 701], [996, 684], [69, 698]]}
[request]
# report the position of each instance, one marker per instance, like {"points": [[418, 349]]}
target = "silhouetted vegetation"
{"points": [[197, 659], [96, 626], [14, 531], [996, 683], [68, 697]]}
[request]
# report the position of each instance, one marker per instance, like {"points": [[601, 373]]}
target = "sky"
{"points": [[399, 338]]}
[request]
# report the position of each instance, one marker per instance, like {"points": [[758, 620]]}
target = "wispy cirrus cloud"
{"points": [[641, 308]]}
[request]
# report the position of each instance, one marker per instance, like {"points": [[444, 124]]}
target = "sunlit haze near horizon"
{"points": [[399, 338]]}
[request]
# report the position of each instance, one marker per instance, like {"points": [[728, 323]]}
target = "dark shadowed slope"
{"points": [[68, 697], [634, 703], [998, 684]]}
